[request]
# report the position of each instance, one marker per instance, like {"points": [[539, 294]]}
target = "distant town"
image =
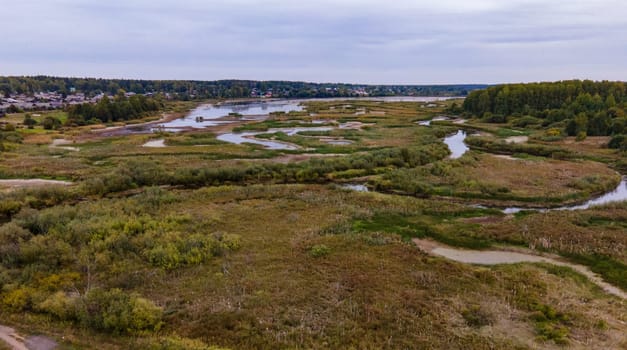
{"points": [[49, 101], [44, 92]]}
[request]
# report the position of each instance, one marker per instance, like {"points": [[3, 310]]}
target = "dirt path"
{"points": [[22, 183], [155, 143], [503, 156], [14, 340], [494, 257], [60, 144], [517, 139], [18, 342]]}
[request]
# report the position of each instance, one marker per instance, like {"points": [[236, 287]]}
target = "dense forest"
{"points": [[579, 108], [117, 109], [189, 89]]}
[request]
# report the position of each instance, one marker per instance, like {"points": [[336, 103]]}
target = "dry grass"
{"points": [[552, 178], [533, 181], [273, 293], [593, 231]]}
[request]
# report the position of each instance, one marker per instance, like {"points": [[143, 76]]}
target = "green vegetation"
{"points": [[550, 324], [613, 271], [70, 263], [579, 108], [121, 108]]}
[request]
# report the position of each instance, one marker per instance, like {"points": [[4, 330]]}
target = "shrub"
{"points": [[551, 324], [8, 208], [165, 256], [12, 237], [18, 299], [29, 121], [319, 250], [475, 316], [618, 142], [118, 312], [581, 136], [494, 118], [58, 305], [526, 121], [51, 123]]}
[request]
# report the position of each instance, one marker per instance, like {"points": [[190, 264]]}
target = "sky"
{"points": [[352, 41]]}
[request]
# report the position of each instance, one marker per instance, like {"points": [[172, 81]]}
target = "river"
{"points": [[206, 115]]}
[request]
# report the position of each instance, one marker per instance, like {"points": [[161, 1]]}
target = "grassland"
{"points": [[204, 243]]}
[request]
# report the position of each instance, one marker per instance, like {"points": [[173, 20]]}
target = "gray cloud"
{"points": [[444, 41]]}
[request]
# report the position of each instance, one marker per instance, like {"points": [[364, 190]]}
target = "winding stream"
{"points": [[619, 194], [458, 148], [249, 137]]}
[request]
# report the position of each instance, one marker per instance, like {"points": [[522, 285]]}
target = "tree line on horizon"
{"points": [[120, 108], [578, 107], [196, 89]]}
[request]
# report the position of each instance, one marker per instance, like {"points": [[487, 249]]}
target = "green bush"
{"points": [[551, 324], [58, 305], [618, 142], [166, 256], [12, 236], [51, 123], [8, 208], [118, 312], [19, 299], [582, 135], [319, 250]]}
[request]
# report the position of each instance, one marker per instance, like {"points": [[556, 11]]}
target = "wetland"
{"points": [[315, 223]]}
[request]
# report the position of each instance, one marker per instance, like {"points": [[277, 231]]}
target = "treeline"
{"points": [[107, 110], [578, 107], [194, 89]]}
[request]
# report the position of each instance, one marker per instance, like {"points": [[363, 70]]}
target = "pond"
{"points": [[456, 144], [428, 122], [206, 115]]}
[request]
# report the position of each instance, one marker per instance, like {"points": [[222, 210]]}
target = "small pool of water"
{"points": [[428, 122], [355, 187], [456, 144]]}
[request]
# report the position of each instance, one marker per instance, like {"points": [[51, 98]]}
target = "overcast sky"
{"points": [[358, 41]]}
